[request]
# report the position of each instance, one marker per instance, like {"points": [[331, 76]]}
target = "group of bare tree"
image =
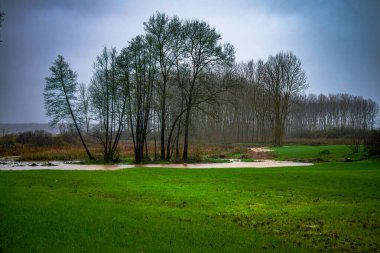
{"points": [[323, 112], [259, 105], [152, 85], [260, 110], [177, 81]]}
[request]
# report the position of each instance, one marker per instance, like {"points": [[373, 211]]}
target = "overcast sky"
{"points": [[336, 40]]}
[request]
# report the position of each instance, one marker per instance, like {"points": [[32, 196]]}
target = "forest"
{"points": [[179, 82]]}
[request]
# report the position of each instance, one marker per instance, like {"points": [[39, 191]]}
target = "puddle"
{"points": [[59, 165], [56, 165]]}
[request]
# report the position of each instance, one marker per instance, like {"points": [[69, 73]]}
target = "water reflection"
{"points": [[58, 165]]}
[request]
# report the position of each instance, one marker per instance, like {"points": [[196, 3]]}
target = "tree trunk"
{"points": [[75, 122], [163, 125], [146, 149], [155, 149], [186, 141]]}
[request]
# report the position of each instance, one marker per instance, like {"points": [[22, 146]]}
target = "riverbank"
{"points": [[60, 165]]}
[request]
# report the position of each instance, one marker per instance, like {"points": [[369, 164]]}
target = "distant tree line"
{"points": [[258, 107], [177, 82], [323, 112], [38, 138], [248, 116]]}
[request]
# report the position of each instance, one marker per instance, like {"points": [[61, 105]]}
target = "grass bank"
{"points": [[323, 153], [326, 207]]}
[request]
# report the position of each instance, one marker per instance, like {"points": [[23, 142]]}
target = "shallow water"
{"points": [[58, 165]]}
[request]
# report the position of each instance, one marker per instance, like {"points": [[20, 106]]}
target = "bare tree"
{"points": [[284, 78], [108, 102], [202, 52], [160, 31], [138, 63], [60, 96]]}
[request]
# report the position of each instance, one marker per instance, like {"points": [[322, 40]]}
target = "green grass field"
{"points": [[333, 207], [321, 153]]}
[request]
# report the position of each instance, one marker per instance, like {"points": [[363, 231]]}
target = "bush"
{"points": [[39, 138], [325, 152], [372, 143], [67, 138], [354, 148], [8, 140]]}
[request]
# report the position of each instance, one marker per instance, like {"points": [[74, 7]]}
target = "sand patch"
{"points": [[260, 153]]}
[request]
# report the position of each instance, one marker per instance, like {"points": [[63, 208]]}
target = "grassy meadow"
{"points": [[328, 207], [320, 153]]}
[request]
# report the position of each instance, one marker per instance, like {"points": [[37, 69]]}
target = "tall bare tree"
{"points": [[160, 31], [108, 102], [284, 78], [60, 96], [138, 63], [202, 52]]}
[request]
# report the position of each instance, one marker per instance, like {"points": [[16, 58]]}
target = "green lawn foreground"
{"points": [[326, 207], [322, 153]]}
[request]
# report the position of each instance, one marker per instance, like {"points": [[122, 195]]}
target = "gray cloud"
{"points": [[337, 40]]}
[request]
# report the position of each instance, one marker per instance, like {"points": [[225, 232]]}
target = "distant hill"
{"points": [[23, 127]]}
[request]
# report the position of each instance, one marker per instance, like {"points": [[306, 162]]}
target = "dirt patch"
{"points": [[260, 153]]}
